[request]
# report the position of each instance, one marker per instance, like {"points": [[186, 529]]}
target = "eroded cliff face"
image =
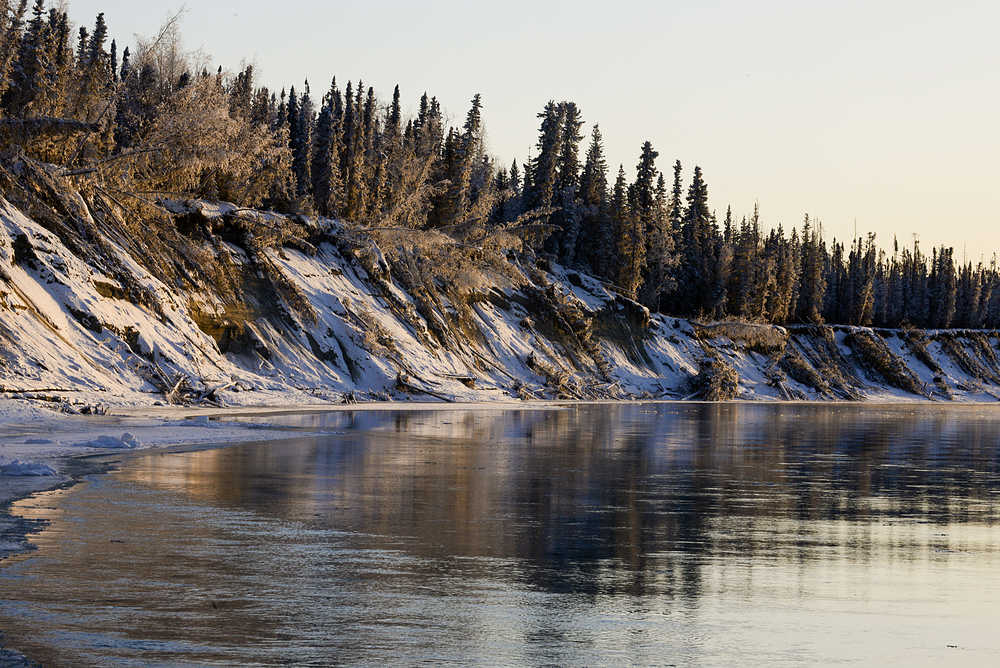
{"points": [[193, 301]]}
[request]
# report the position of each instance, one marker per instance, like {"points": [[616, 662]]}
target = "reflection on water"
{"points": [[612, 535]]}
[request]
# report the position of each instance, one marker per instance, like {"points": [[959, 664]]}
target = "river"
{"points": [[613, 535]]}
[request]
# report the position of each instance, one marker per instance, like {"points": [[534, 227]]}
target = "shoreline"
{"points": [[206, 428], [157, 427], [15, 531]]}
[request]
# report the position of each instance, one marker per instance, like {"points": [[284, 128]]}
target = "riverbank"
{"points": [[89, 322]]}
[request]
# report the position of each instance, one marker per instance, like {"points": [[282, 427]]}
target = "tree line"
{"points": [[153, 122]]}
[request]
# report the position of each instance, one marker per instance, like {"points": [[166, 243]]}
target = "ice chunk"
{"points": [[125, 442], [25, 469]]}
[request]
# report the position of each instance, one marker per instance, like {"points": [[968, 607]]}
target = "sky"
{"points": [[878, 115]]}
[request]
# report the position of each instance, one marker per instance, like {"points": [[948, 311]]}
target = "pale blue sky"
{"points": [[884, 111]]}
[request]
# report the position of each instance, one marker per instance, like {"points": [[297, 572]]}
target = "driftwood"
{"points": [[209, 394], [522, 390], [174, 395], [180, 391], [403, 384]]}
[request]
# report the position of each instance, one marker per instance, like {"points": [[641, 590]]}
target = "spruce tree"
{"points": [[744, 270], [347, 136], [660, 254], [812, 281], [324, 169], [82, 40], [644, 185], [391, 156], [303, 144], [241, 94], [860, 291], [697, 248], [95, 47], [356, 191], [676, 207], [786, 261], [631, 245], [597, 236], [987, 290], [569, 215], [468, 150], [296, 141], [624, 226], [371, 130], [501, 184], [675, 300], [527, 185], [393, 119], [643, 200], [126, 64], [10, 37], [545, 167], [515, 177], [27, 92], [835, 308], [967, 298], [720, 267], [942, 288]]}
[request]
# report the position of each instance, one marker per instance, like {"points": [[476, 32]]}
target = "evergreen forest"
{"points": [[151, 121]]}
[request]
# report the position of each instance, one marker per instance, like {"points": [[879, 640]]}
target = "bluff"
{"points": [[109, 301]]}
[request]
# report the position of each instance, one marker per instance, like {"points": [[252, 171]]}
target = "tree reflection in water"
{"points": [[580, 535]]}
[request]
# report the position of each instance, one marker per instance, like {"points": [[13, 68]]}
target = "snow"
{"points": [[124, 442], [18, 468]]}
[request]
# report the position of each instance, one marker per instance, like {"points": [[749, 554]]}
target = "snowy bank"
{"points": [[210, 304]]}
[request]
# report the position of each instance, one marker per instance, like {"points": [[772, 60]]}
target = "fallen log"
{"points": [[468, 381], [10, 390], [26, 128], [403, 385], [209, 394]]}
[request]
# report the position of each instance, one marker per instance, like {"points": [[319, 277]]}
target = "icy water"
{"points": [[687, 535]]}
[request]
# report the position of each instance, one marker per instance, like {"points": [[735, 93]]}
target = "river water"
{"points": [[659, 534]]}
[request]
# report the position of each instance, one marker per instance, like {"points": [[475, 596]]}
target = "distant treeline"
{"points": [[157, 123]]}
